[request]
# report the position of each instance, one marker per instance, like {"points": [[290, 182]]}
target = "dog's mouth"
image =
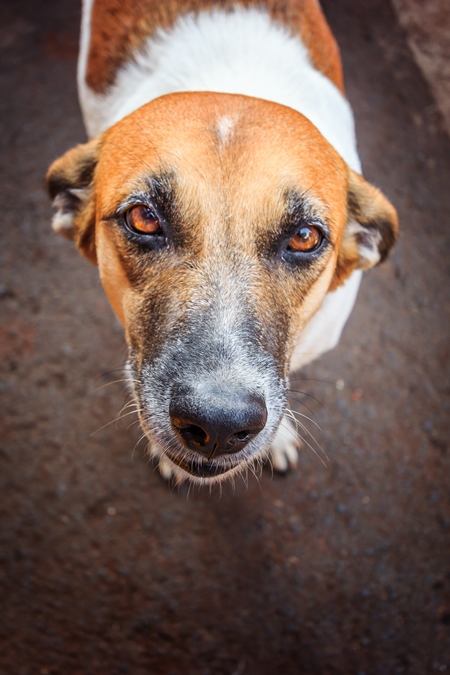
{"points": [[201, 468]]}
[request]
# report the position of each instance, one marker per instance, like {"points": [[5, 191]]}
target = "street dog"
{"points": [[221, 196]]}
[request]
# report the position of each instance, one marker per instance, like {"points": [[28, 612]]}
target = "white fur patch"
{"points": [[324, 330], [90, 106], [368, 240], [225, 126], [62, 223]]}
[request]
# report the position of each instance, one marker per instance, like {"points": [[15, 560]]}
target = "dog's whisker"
{"points": [[297, 393], [269, 457], [313, 417], [106, 373], [256, 471], [290, 414], [108, 384], [304, 428], [306, 442], [245, 477], [132, 402], [294, 433], [147, 450], [319, 457], [117, 419], [307, 431], [310, 379], [306, 417], [299, 438], [133, 424], [325, 175]]}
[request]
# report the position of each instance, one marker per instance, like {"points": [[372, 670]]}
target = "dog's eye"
{"points": [[141, 219], [307, 239]]}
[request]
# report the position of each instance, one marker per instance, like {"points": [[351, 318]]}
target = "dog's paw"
{"points": [[283, 453], [169, 472], [166, 468]]}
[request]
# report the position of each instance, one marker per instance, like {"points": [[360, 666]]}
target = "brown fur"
{"points": [[119, 28]]}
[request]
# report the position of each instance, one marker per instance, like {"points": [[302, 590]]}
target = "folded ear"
{"points": [[70, 183], [370, 232]]}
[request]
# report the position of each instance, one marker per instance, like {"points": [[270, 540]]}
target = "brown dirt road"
{"points": [[343, 569]]}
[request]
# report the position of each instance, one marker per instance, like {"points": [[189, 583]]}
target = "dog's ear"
{"points": [[370, 231], [70, 183]]}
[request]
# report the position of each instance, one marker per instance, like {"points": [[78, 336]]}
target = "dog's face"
{"points": [[218, 224]]}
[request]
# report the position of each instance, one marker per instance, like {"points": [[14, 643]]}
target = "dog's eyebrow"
{"points": [[300, 210], [158, 189], [162, 189]]}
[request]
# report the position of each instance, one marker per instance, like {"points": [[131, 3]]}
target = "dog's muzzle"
{"points": [[211, 398]]}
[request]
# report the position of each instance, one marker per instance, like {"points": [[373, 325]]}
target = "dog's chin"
{"points": [[202, 471], [201, 468]]}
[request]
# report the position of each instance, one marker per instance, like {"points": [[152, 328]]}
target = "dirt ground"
{"points": [[340, 569], [427, 27]]}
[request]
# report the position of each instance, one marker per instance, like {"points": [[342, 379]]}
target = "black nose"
{"points": [[216, 421]]}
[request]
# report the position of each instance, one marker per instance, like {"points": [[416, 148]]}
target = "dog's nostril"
{"points": [[240, 436], [196, 434]]}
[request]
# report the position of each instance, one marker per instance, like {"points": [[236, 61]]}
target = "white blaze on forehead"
{"points": [[224, 128]]}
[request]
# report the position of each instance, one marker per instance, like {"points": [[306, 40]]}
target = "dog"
{"points": [[221, 196]]}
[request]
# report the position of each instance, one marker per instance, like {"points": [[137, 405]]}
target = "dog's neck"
{"points": [[241, 52]]}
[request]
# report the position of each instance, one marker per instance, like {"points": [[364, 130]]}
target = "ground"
{"points": [[343, 568], [427, 26]]}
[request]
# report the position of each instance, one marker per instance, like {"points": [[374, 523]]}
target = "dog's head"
{"points": [[218, 223]]}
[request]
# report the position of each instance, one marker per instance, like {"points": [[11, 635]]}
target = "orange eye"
{"points": [[141, 219], [307, 239]]}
